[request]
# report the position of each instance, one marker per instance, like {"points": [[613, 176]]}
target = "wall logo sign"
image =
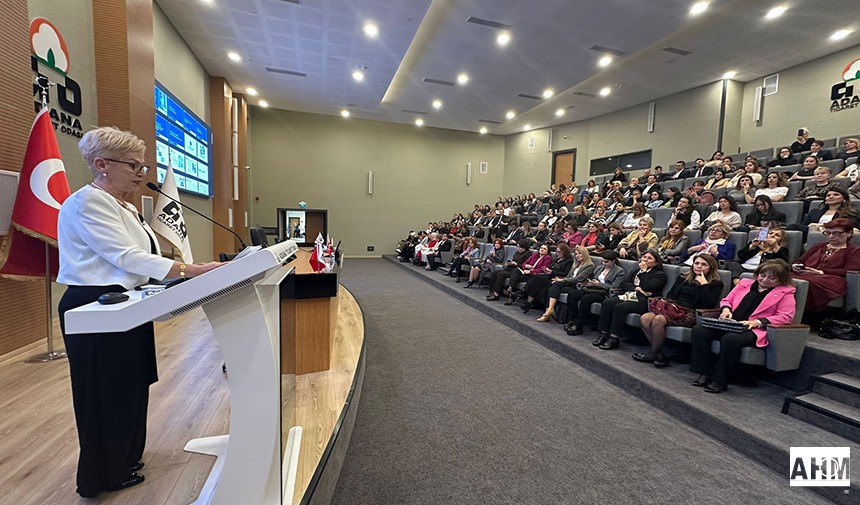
{"points": [[50, 59], [842, 95], [820, 466]]}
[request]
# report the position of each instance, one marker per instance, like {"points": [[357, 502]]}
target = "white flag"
{"points": [[167, 219]]}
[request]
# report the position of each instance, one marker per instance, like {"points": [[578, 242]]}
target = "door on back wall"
{"points": [[563, 167]]}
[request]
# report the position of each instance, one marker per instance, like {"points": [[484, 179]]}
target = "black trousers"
{"points": [[721, 367], [517, 277], [110, 374], [497, 280], [456, 264], [579, 305], [613, 314]]}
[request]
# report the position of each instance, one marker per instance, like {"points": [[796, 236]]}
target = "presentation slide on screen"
{"points": [[182, 140]]}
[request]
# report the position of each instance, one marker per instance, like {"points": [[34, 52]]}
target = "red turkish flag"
{"points": [[42, 188]]}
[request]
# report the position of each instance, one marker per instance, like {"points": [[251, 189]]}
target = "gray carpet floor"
{"points": [[458, 408]]}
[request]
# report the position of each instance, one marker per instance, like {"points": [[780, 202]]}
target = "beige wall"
{"points": [[803, 100], [179, 71], [686, 126], [419, 174]]}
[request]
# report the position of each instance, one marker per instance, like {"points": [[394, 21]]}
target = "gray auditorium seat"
{"points": [[793, 168], [693, 235], [835, 166], [661, 216], [793, 189], [793, 210], [759, 153], [831, 142]]}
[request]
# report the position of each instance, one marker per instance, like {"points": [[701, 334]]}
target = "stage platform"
{"points": [[749, 420]]}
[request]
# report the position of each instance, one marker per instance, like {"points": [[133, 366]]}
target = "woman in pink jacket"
{"points": [[757, 303]]}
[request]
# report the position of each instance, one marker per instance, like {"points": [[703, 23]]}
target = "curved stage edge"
{"points": [[321, 486]]}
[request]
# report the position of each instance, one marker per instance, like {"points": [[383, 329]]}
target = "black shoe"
{"points": [[468, 284], [715, 388], [644, 357], [493, 298], [661, 361], [458, 279], [510, 300], [573, 330], [132, 480], [601, 339], [610, 344], [136, 466], [526, 306], [702, 381]]}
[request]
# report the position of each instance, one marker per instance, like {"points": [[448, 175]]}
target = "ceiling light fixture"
{"points": [[344, 113], [511, 114], [358, 74], [251, 91], [419, 122], [503, 39], [840, 34], [483, 130], [730, 74], [437, 104], [605, 61], [698, 8], [527, 127], [208, 2], [371, 30], [776, 12], [233, 55], [547, 93], [463, 78], [605, 91], [263, 103], [559, 112]]}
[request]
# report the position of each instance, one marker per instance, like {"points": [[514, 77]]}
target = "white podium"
{"points": [[241, 301]]}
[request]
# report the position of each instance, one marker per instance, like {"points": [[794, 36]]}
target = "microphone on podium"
{"points": [[154, 187]]}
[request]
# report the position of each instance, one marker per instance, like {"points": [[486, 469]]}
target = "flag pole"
{"points": [[51, 355]]}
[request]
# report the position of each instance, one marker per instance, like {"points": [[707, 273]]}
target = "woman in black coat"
{"points": [[605, 280], [541, 282], [647, 281], [498, 278], [763, 215]]}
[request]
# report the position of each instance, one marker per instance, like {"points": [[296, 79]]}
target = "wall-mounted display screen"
{"points": [[183, 140]]}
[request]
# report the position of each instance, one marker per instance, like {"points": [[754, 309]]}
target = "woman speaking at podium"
{"points": [[105, 246]]}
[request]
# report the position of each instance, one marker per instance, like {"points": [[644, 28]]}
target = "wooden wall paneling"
{"points": [[220, 94], [22, 303], [240, 207]]}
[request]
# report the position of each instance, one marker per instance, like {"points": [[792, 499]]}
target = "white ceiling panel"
{"points": [[550, 47]]}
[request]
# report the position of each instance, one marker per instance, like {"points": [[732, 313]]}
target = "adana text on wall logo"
{"points": [[820, 466], [48, 45], [50, 59], [842, 95]]}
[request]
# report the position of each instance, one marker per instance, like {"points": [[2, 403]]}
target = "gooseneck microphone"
{"points": [[154, 187]]}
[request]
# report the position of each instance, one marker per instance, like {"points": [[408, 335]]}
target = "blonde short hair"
{"points": [[108, 142]]}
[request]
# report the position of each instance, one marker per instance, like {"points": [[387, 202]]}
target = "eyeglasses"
{"points": [[833, 232], [136, 167]]}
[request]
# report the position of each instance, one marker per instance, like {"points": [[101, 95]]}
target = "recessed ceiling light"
{"points": [[605, 61], [251, 91], [233, 55], [698, 8], [511, 114], [527, 127], [344, 113], [463, 78], [503, 39], [206, 1], [358, 75], [483, 130], [419, 122], [437, 104], [547, 93], [559, 112], [263, 103], [605, 91], [730, 74], [776, 12], [371, 30], [629, 165], [840, 34]]}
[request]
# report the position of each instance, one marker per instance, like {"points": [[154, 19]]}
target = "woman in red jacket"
{"points": [[825, 264]]}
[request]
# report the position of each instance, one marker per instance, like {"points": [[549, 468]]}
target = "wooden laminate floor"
{"points": [[38, 440]]}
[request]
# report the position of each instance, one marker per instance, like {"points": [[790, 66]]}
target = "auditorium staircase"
{"points": [[831, 402], [747, 419]]}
